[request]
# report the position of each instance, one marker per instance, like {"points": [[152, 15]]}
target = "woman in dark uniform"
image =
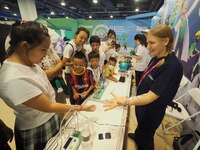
{"points": [[157, 87]]}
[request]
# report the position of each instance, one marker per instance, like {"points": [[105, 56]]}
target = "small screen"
{"points": [[67, 143]]}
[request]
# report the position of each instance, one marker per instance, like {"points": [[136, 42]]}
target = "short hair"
{"points": [[95, 39], [82, 29], [163, 31], [80, 55], [93, 54], [141, 38], [113, 59]]}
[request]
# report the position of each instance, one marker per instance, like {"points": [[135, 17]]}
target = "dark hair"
{"points": [[82, 29], [95, 39], [80, 55], [141, 38], [30, 31], [93, 54], [113, 59], [110, 33]]}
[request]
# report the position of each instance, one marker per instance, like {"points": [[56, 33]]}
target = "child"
{"points": [[82, 81], [26, 88], [109, 69], [95, 44], [94, 66]]}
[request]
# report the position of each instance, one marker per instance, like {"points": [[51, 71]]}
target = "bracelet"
{"points": [[81, 108]]}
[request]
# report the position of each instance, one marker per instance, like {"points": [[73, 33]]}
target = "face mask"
{"points": [[110, 67]]}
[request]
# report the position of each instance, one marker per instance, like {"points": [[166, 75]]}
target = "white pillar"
{"points": [[27, 9]]}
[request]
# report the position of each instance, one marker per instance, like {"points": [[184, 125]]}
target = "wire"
{"points": [[102, 123]]}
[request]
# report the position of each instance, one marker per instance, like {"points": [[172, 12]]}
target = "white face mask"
{"points": [[111, 67]]}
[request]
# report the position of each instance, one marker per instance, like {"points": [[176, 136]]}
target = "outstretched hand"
{"points": [[115, 102]]}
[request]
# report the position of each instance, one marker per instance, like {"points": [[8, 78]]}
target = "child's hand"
{"points": [[76, 96], [84, 94], [116, 80]]}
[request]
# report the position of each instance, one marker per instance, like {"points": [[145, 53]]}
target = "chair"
{"points": [[184, 115], [184, 82], [182, 86]]}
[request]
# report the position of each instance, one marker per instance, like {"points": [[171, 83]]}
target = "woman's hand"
{"points": [[88, 107], [115, 102]]}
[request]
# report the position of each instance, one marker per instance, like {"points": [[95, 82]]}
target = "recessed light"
{"points": [[111, 16], [95, 1], [62, 3], [137, 9], [6, 7]]}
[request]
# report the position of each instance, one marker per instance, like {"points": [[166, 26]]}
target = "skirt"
{"points": [[37, 138]]}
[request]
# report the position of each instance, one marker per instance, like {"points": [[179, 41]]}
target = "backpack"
{"points": [[187, 140]]}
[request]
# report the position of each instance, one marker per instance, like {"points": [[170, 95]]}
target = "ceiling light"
{"points": [[136, 0], [137, 9], [52, 13], [6, 7], [62, 3], [90, 16], [67, 17], [111, 16], [15, 14], [95, 1]]}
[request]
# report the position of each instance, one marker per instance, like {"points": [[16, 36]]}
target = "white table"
{"points": [[100, 121]]}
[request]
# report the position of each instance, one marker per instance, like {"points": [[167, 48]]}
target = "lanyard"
{"points": [[148, 71]]}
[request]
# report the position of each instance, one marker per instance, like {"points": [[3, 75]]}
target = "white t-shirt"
{"points": [[20, 83], [68, 53], [96, 73], [50, 60], [144, 53], [109, 53], [101, 59]]}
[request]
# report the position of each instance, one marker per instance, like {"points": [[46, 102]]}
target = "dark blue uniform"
{"points": [[164, 82]]}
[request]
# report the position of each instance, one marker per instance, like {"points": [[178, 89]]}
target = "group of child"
{"points": [[87, 71]]}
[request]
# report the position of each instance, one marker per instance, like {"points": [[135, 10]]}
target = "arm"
{"points": [[143, 99], [106, 47], [75, 93], [138, 57], [55, 70], [42, 103], [66, 62], [112, 78]]}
